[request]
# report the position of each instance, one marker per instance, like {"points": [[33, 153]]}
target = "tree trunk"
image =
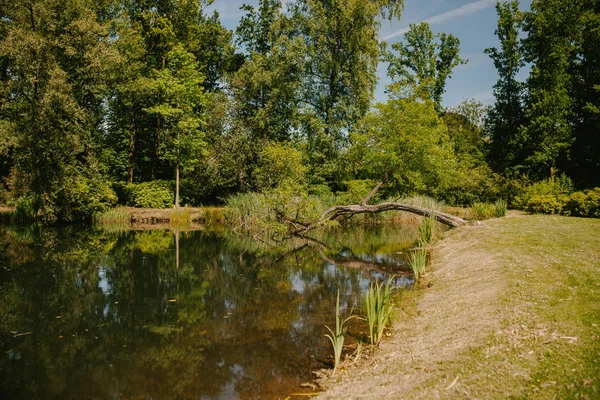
{"points": [[177, 186], [298, 228], [131, 150]]}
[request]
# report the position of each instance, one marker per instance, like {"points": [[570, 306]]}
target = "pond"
{"points": [[89, 313]]}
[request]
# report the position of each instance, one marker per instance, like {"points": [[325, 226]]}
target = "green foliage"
{"points": [[280, 162], [559, 186], [378, 307], [424, 64], [417, 261], [578, 204], [25, 210], [546, 204], [153, 194], [337, 337], [117, 215], [584, 204]]}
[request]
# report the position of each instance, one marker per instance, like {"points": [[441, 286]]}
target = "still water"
{"points": [[97, 314]]}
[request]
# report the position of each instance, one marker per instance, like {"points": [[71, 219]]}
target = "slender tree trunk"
{"points": [[131, 150], [177, 186], [155, 155]]}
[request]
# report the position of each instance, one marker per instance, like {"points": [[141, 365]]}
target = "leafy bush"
{"points": [[584, 204], [154, 194], [554, 187], [546, 204]]}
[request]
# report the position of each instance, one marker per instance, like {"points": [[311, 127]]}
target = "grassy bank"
{"points": [[512, 311]]}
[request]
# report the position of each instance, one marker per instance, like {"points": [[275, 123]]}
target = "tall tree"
{"points": [[182, 99], [585, 90], [423, 64], [59, 59], [265, 89], [505, 118], [552, 29], [342, 39]]}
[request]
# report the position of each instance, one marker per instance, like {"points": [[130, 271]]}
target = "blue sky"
{"points": [[472, 21]]}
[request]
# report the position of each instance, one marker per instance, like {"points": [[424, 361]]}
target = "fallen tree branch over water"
{"points": [[335, 212]]}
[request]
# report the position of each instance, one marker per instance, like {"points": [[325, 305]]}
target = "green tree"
{"points": [[505, 118], [264, 90], [585, 91], [342, 52], [552, 29], [423, 64], [182, 98], [59, 64]]}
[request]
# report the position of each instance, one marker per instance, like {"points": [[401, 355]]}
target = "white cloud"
{"points": [[448, 15]]}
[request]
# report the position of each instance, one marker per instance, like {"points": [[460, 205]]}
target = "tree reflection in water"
{"points": [[88, 313]]}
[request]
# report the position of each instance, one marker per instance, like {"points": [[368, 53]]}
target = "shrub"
{"points": [[154, 194], [546, 204], [558, 186], [584, 204]]}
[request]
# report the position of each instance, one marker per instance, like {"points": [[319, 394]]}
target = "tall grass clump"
{"points": [[180, 216], [427, 229], [501, 207], [378, 308], [483, 211], [117, 215], [418, 259], [337, 338], [245, 208]]}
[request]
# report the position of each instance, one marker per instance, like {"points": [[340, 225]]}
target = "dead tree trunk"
{"points": [[348, 211]]}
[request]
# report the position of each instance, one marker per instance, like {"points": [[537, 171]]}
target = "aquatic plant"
{"points": [[337, 338], [378, 307], [417, 261]]}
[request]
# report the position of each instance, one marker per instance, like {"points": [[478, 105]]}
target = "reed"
{"points": [[180, 216], [378, 308], [427, 229], [418, 259], [117, 215], [337, 338], [482, 211]]}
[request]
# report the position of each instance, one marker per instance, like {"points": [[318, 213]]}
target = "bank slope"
{"points": [[512, 311]]}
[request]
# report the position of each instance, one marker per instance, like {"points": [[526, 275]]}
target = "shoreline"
{"points": [[475, 330]]}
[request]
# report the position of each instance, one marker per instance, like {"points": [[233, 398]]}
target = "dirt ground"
{"points": [[458, 311]]}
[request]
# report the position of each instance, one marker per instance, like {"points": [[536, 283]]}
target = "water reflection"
{"points": [[86, 313]]}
